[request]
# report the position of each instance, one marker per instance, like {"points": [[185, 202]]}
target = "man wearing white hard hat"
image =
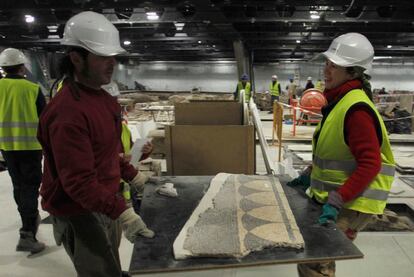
{"points": [[80, 131], [274, 90], [309, 83], [353, 165], [21, 103]]}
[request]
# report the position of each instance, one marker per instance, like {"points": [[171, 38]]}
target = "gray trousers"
{"points": [[91, 241]]}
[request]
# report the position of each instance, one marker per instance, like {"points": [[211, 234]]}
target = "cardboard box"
{"points": [[209, 139], [208, 113]]}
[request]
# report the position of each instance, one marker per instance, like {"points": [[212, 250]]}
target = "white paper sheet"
{"points": [[136, 151], [145, 127]]}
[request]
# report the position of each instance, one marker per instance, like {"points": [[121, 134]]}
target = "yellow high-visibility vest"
{"points": [[274, 89], [18, 115], [333, 161], [247, 90]]}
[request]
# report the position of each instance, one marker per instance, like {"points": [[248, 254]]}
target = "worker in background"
{"points": [[21, 103], [274, 90], [353, 165], [80, 131], [309, 83], [291, 88], [319, 85], [245, 85]]}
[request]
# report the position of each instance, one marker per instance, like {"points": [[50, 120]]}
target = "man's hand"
{"points": [[140, 179], [134, 226]]}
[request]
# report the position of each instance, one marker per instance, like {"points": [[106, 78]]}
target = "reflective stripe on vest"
{"points": [[18, 124], [274, 89], [349, 166], [18, 115], [374, 194]]}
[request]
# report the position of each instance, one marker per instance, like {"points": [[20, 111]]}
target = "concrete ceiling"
{"points": [[205, 30]]}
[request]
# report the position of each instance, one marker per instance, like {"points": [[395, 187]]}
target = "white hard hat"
{"points": [[309, 78], [274, 76], [12, 56], [93, 32], [351, 49]]}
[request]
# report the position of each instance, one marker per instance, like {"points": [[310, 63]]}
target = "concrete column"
{"points": [[242, 57], [243, 61]]}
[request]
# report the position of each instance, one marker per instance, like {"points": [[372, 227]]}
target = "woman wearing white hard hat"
{"points": [[80, 131], [353, 165]]}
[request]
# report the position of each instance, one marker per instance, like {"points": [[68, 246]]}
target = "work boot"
{"points": [[29, 243]]}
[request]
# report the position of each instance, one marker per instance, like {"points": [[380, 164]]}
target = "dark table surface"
{"points": [[166, 216]]}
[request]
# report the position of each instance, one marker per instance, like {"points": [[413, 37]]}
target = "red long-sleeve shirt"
{"points": [[364, 143], [81, 140]]}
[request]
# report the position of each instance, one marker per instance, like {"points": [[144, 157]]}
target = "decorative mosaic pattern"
{"points": [[237, 215]]}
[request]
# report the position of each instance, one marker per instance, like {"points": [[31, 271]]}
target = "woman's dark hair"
{"points": [[14, 69], [358, 73], [67, 69]]}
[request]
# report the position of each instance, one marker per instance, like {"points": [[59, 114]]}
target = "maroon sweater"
{"points": [[364, 142], [81, 140]]}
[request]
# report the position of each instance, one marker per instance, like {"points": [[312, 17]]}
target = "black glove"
{"points": [[302, 182]]}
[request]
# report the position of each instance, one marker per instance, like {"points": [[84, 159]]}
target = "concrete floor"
{"points": [[386, 254]]}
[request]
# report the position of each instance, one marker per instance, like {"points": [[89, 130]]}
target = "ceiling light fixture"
{"points": [[29, 18], [382, 57], [389, 46], [179, 26], [52, 28], [152, 16]]}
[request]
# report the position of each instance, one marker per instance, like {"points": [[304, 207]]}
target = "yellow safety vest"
{"points": [[318, 85], [18, 115], [333, 161], [247, 90], [59, 86], [274, 88], [126, 143], [126, 138]]}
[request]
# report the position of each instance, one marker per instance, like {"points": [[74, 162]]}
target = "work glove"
{"points": [[140, 179], [302, 182], [329, 214], [152, 165], [134, 226], [156, 168]]}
